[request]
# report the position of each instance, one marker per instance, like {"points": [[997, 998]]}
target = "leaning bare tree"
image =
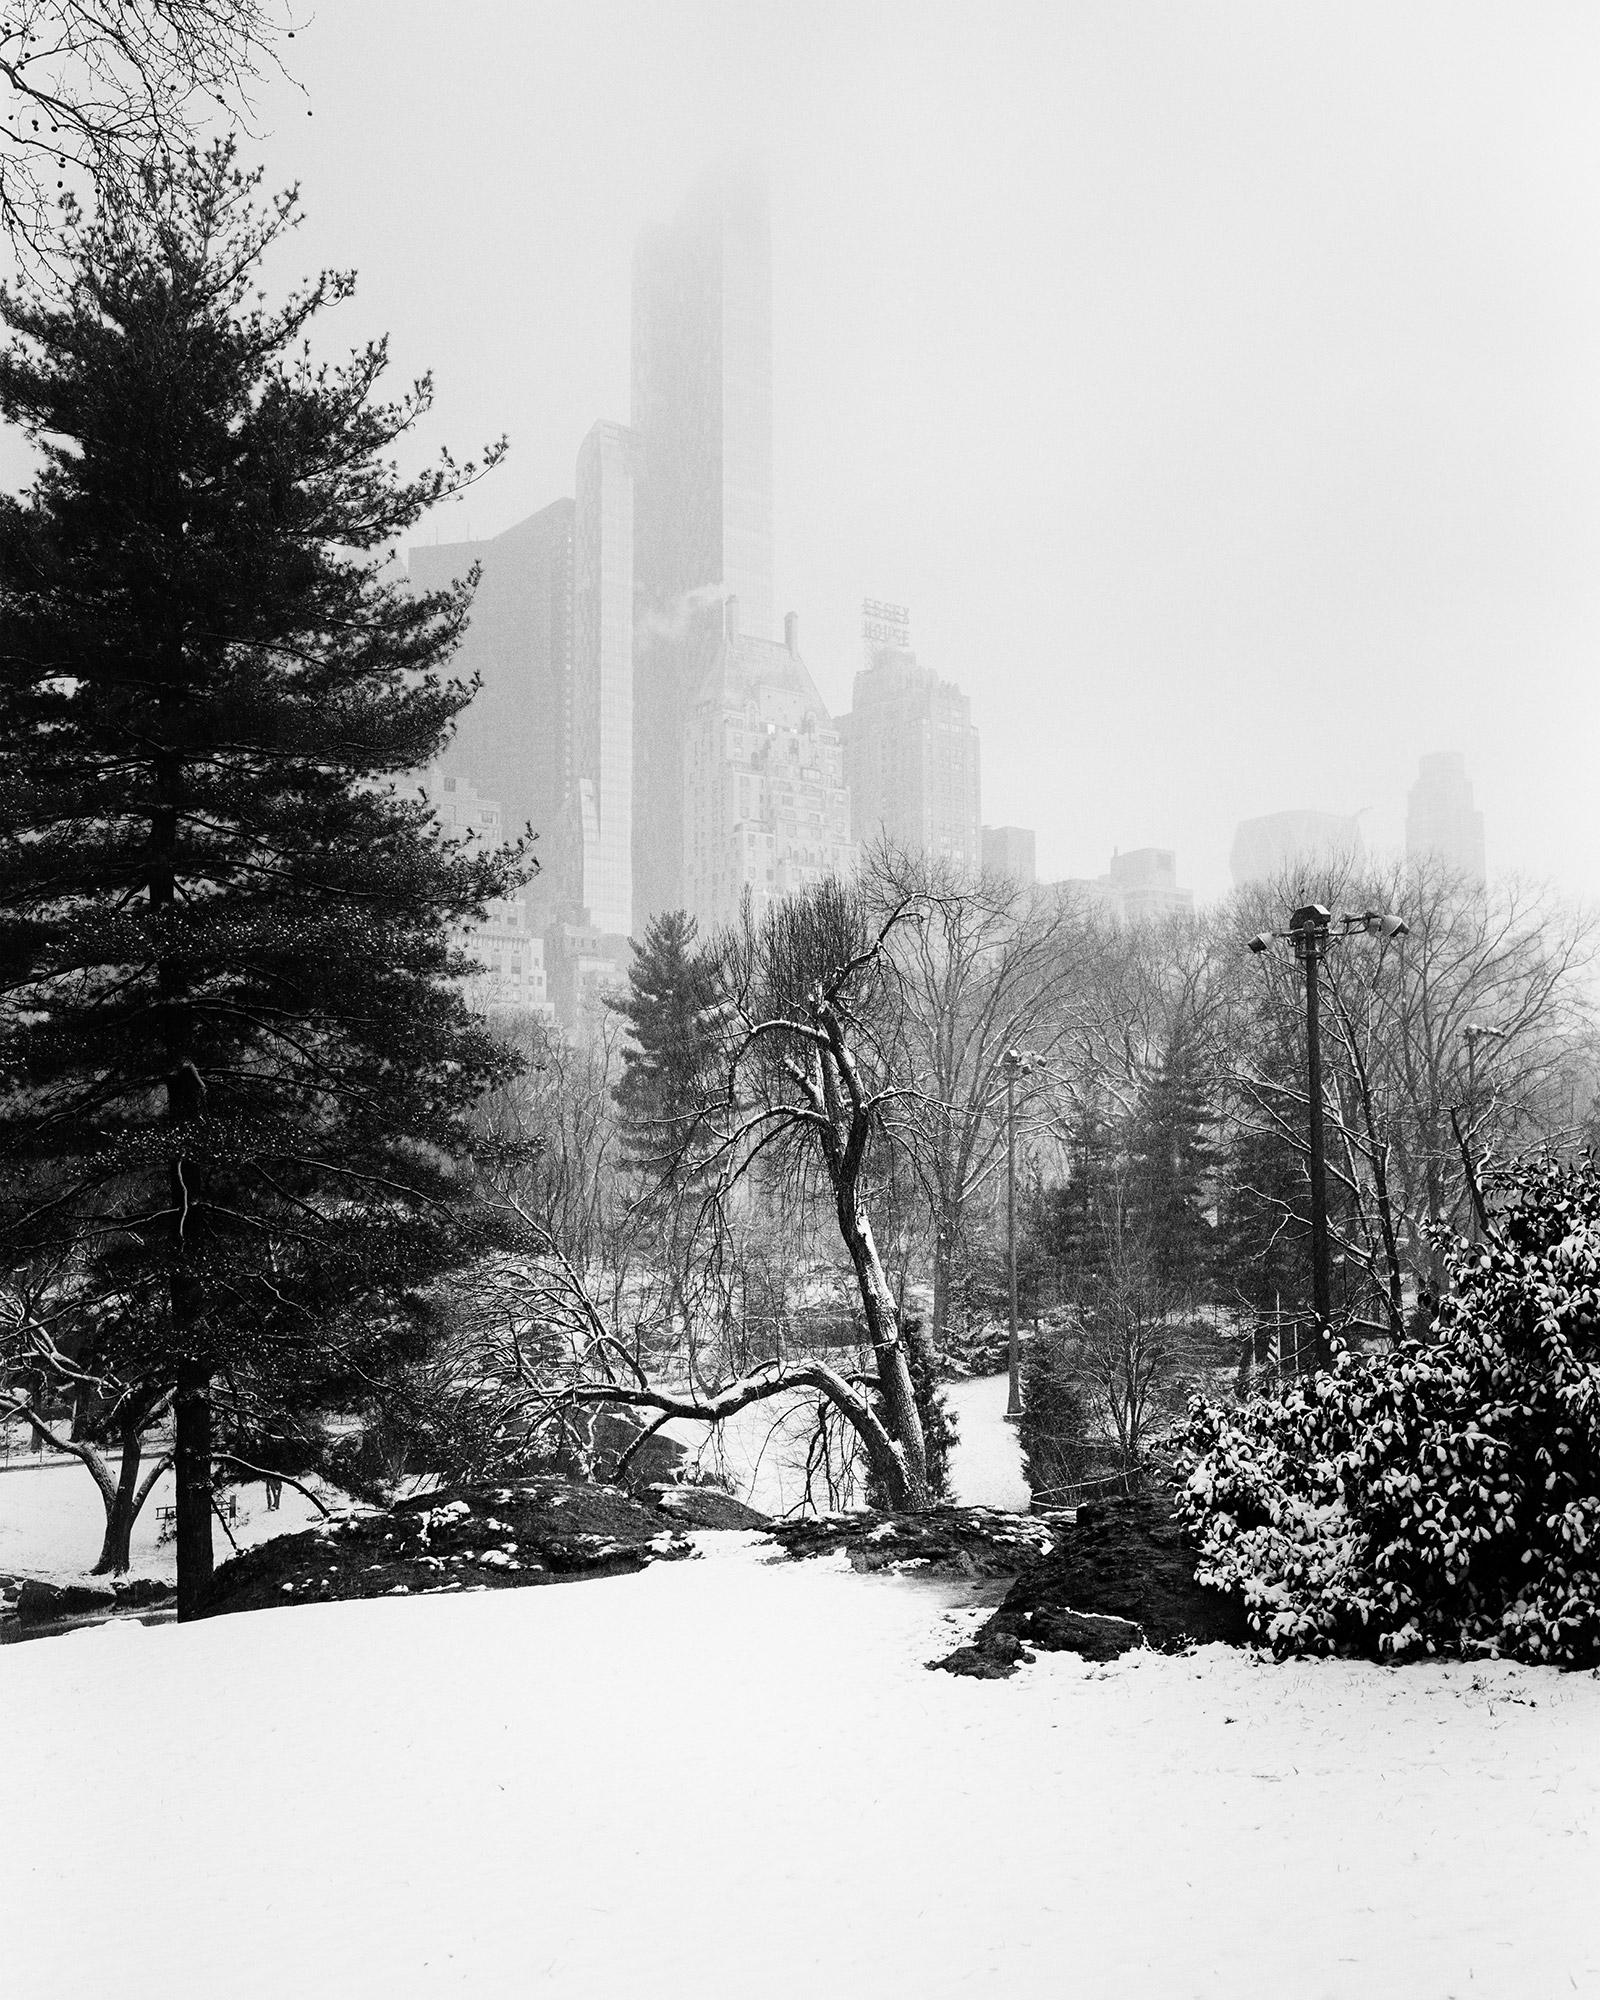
{"points": [[808, 1090]]}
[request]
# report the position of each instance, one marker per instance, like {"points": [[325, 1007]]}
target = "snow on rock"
{"points": [[511, 1793]]}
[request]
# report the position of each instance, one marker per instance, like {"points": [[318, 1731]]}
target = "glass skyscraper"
{"points": [[602, 679], [702, 428]]}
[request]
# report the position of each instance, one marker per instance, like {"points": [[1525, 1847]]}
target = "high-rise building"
{"points": [[602, 683], [506, 944], [513, 740], [764, 799], [1009, 851], [702, 424], [911, 752], [1139, 887], [1279, 842], [1442, 824]]}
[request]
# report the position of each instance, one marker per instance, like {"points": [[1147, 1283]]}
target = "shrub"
{"points": [[1444, 1496]]}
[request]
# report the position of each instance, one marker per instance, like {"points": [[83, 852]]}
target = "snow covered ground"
{"points": [[731, 1777]]}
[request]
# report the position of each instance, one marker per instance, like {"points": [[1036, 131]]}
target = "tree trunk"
{"points": [[906, 1478], [192, 1459], [115, 1557]]}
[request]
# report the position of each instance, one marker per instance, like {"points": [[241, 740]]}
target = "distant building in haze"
{"points": [[514, 738], [601, 792], [1139, 887], [1442, 824], [702, 425], [1009, 851], [506, 944], [765, 807], [911, 751], [1278, 842]]}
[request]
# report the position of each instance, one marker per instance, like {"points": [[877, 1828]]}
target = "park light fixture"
{"points": [[1015, 1063], [1311, 931]]}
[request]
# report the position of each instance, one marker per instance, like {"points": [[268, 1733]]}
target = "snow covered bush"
{"points": [[1441, 1497]]}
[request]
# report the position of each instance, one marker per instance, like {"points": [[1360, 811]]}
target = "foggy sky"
{"points": [[1217, 384]]}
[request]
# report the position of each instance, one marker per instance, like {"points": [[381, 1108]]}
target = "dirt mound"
{"points": [[1120, 1575], [548, 1530]]}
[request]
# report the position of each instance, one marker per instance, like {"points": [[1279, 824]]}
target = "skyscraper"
{"points": [[702, 425], [1009, 851], [1278, 842], [602, 682], [1442, 824], [513, 740], [911, 752]]}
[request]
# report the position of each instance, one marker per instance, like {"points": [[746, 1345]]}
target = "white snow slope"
{"points": [[730, 1777]]}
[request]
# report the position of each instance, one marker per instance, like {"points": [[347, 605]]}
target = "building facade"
{"points": [[1442, 824], [911, 751], [702, 425], [1140, 886], [601, 796], [507, 944], [1009, 851], [1278, 843], [765, 806], [514, 738]]}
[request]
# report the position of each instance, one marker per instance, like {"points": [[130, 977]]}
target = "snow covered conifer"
{"points": [[237, 1069]]}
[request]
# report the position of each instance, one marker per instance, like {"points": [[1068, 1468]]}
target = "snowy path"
{"points": [[986, 1465], [727, 1778]]}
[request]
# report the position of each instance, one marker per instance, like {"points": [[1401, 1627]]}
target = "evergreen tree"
{"points": [[666, 1007], [1171, 1170], [238, 1071]]}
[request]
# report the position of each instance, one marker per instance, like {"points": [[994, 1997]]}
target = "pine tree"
{"points": [[666, 1008], [1171, 1167], [237, 1067]]}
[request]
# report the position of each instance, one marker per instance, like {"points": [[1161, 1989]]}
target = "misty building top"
{"points": [[1278, 842], [1442, 823], [743, 667]]}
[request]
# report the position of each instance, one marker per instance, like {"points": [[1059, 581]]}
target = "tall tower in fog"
{"points": [[1441, 821], [702, 426], [602, 680]]}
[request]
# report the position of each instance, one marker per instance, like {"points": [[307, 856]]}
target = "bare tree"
{"points": [[48, 1363], [98, 89], [982, 971], [1409, 1102], [808, 1082]]}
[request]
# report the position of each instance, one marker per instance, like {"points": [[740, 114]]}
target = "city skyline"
{"points": [[1217, 385]]}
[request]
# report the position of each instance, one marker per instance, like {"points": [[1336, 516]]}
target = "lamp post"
{"points": [[1015, 1064], [1311, 932]]}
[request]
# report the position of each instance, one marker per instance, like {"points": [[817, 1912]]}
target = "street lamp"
{"points": [[1015, 1064], [1311, 932]]}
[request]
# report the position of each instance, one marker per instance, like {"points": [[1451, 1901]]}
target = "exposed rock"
{"points": [[944, 1541], [134, 1591], [533, 1532], [39, 1603], [707, 1507], [1120, 1576]]}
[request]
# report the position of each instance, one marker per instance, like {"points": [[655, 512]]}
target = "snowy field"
{"points": [[735, 1778]]}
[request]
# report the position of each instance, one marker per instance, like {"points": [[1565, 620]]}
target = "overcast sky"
{"points": [[1219, 385]]}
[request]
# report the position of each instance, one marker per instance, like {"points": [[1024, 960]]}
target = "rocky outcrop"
{"points": [[1120, 1575]]}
